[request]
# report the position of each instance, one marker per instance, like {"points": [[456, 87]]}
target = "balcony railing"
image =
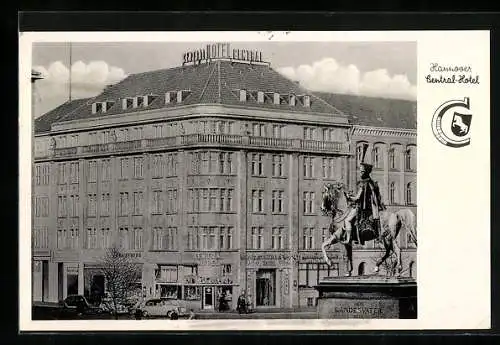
{"points": [[202, 139], [66, 151]]}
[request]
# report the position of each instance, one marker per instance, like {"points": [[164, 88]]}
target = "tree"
{"points": [[121, 275]]}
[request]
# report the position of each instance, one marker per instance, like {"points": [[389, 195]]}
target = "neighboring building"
{"points": [[209, 176]]}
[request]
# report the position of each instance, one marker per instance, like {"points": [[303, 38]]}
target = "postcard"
{"points": [[254, 180]]}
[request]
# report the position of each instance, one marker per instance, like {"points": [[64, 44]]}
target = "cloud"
{"points": [[87, 80], [328, 75]]}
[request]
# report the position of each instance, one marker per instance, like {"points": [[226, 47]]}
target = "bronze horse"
{"points": [[335, 205]]}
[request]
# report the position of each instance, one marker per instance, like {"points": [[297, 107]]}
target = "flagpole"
{"points": [[70, 62]]}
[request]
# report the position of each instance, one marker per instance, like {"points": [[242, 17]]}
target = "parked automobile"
{"points": [[158, 307], [77, 305]]}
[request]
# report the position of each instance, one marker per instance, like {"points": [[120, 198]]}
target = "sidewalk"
{"points": [[260, 310]]}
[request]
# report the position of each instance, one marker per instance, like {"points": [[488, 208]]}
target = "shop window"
{"points": [[310, 301]]}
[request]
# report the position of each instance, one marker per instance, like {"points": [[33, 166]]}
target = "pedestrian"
{"points": [[192, 315]]}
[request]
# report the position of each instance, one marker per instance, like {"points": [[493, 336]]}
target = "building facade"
{"points": [[209, 176]]}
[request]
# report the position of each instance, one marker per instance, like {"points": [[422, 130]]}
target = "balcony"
{"points": [[202, 140]]}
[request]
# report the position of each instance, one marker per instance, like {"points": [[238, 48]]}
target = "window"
{"points": [[409, 194], [138, 199], [124, 135], [410, 241], [226, 238], [308, 167], [169, 273], [309, 202], [205, 169], [105, 238], [61, 239], [131, 239], [257, 238], [61, 206], [157, 202], [137, 133], [325, 234], [376, 158], [171, 160], [409, 160], [278, 165], [157, 162], [74, 206], [42, 174], [138, 167], [328, 168], [165, 239], [278, 131], [158, 131], [91, 238], [309, 133], [124, 168], [308, 238], [311, 274], [91, 205], [72, 240], [92, 171], [278, 238], [225, 163], [171, 206], [124, 204], [38, 174], [213, 200], [392, 158], [258, 200], [106, 169], [193, 237], [392, 193], [61, 176], [258, 164], [359, 154], [41, 206], [74, 171], [105, 204], [41, 238], [277, 201], [259, 130]]}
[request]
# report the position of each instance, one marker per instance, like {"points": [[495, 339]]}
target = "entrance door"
{"points": [[266, 287], [208, 297]]}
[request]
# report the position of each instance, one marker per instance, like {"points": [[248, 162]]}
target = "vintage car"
{"points": [[158, 307]]}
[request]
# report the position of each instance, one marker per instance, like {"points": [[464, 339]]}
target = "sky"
{"points": [[380, 69]]}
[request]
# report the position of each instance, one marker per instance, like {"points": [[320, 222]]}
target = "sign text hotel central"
{"points": [[221, 51]]}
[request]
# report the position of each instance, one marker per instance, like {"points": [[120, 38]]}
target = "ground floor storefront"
{"points": [[211, 281]]}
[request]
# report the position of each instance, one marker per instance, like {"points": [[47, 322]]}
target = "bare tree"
{"points": [[121, 275]]}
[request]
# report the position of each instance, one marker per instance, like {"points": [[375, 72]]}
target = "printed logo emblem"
{"points": [[451, 126]]}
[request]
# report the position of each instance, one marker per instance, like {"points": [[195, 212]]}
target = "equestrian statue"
{"points": [[362, 217]]}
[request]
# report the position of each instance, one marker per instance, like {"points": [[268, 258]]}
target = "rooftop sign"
{"points": [[221, 51]]}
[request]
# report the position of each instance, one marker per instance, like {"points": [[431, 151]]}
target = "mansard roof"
{"points": [[220, 82], [373, 111]]}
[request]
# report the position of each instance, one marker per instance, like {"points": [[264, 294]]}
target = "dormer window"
{"points": [[167, 97], [101, 107], [276, 98], [307, 101], [260, 97], [127, 103], [243, 95], [139, 101], [292, 100]]}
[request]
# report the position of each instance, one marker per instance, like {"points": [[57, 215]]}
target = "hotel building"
{"points": [[209, 176]]}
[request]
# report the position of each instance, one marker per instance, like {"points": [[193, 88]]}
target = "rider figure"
{"points": [[366, 202]]}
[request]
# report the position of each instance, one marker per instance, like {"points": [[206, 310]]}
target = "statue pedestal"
{"points": [[367, 297]]}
